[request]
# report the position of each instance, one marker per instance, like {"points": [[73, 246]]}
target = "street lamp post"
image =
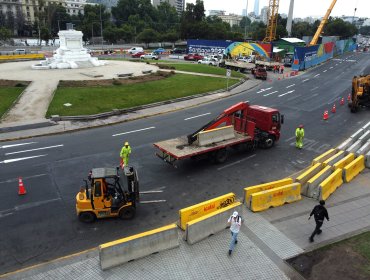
{"points": [[245, 25], [101, 26]]}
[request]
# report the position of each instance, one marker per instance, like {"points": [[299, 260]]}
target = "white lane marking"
{"points": [[305, 80], [197, 116], [24, 178], [152, 201], [314, 88], [316, 75], [146, 192], [37, 149], [331, 67], [16, 145], [26, 206], [286, 93], [324, 71], [290, 86], [270, 93], [138, 130], [19, 159], [264, 89], [236, 162]]}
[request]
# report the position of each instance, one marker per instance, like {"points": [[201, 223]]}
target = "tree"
{"points": [[338, 27], [171, 36], [5, 34], [301, 29], [10, 20], [20, 22], [45, 34], [168, 18], [57, 17], [148, 36], [365, 30]]}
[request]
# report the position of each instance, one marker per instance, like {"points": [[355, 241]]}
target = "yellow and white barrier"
{"points": [[198, 210], [248, 191], [307, 175], [324, 156], [314, 182], [275, 197], [201, 228], [137, 246], [344, 161], [330, 184], [354, 168]]}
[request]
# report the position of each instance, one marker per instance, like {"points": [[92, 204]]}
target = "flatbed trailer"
{"points": [[268, 64], [178, 148]]}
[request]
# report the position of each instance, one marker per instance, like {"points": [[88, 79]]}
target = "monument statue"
{"points": [[70, 55]]}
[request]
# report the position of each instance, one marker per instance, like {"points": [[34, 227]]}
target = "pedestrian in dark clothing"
{"points": [[319, 212]]}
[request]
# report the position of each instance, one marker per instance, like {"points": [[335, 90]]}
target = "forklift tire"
{"points": [[87, 217], [221, 156], [127, 213]]}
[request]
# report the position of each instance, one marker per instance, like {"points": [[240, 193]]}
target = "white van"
{"points": [[135, 50]]}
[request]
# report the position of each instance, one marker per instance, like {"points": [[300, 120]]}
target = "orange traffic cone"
{"points": [[21, 189], [326, 115], [334, 109], [342, 101], [349, 97]]}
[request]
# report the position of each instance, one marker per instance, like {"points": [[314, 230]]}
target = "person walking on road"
{"points": [[235, 222], [319, 212], [299, 135], [282, 69], [125, 154]]}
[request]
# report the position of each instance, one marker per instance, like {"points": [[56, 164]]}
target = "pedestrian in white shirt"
{"points": [[235, 222]]}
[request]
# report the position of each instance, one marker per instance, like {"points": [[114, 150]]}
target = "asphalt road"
{"points": [[42, 225]]}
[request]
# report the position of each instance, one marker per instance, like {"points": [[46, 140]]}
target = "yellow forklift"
{"points": [[104, 196]]}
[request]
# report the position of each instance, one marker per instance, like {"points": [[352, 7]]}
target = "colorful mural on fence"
{"points": [[246, 49], [306, 57], [343, 46], [207, 46]]}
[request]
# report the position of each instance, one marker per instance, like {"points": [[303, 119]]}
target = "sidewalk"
{"points": [[265, 241]]}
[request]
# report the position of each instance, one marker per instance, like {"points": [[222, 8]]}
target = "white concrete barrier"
{"points": [[201, 228], [367, 160], [366, 126], [137, 246], [346, 144], [364, 149], [215, 135], [331, 161], [357, 134], [365, 137], [354, 147], [313, 184]]}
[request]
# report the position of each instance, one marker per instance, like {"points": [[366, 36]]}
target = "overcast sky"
{"points": [[302, 8]]}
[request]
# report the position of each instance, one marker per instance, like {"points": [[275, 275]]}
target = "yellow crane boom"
{"points": [[322, 24], [272, 21]]}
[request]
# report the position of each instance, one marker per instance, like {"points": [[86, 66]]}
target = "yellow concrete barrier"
{"points": [[344, 161], [354, 168], [330, 161], [248, 191], [22, 56], [330, 184], [314, 182], [198, 210], [307, 175], [324, 156], [275, 197]]}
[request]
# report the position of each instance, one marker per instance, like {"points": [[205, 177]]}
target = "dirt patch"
{"points": [[335, 262], [118, 81], [12, 83]]}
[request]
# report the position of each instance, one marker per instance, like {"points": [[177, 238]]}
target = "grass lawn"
{"points": [[7, 96], [94, 100], [201, 68]]}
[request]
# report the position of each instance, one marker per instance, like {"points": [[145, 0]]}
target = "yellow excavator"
{"points": [[360, 92]]}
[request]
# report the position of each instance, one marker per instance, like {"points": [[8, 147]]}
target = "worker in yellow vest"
{"points": [[299, 135], [124, 154]]}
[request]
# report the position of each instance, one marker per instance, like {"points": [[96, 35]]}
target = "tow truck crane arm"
{"points": [[224, 117]]}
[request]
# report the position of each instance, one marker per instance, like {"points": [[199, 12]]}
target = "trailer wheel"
{"points": [[269, 142], [221, 156], [127, 213], [87, 217]]}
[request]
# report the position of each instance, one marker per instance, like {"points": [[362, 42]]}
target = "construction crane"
{"points": [[322, 24], [272, 21]]}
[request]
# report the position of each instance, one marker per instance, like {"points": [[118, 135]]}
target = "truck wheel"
{"points": [[127, 213], [268, 142], [221, 156], [87, 217]]}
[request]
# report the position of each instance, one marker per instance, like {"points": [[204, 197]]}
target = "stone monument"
{"points": [[70, 55]]}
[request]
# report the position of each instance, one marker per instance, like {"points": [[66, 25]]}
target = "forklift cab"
{"points": [[105, 196]]}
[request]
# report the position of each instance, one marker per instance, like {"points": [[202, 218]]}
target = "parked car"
{"points": [[193, 57], [259, 72], [149, 56], [137, 55], [134, 50], [209, 61], [159, 51], [178, 51]]}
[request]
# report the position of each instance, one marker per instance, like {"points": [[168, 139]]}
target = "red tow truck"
{"points": [[241, 126]]}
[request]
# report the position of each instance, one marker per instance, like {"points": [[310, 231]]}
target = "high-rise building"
{"points": [[256, 7], [216, 12], [178, 4], [265, 14]]}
